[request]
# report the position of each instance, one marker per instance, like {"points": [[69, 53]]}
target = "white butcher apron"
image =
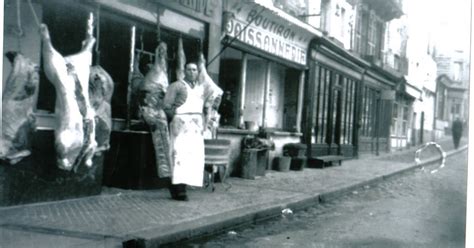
{"points": [[186, 137]]}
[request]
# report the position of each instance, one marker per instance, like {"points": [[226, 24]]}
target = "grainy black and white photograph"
{"points": [[235, 123]]}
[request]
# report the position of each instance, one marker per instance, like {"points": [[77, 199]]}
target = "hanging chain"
{"points": [[97, 35], [19, 30], [34, 14], [158, 29]]}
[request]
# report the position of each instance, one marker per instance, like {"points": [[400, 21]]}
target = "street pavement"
{"points": [[150, 218], [422, 208]]}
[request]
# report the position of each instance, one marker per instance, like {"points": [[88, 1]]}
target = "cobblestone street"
{"points": [[422, 208]]}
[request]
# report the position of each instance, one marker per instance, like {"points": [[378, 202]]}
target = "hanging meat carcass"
{"points": [[18, 100], [212, 98], [151, 109], [75, 131], [136, 82], [101, 88]]}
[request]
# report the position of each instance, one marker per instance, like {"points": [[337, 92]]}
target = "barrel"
{"points": [[216, 152]]}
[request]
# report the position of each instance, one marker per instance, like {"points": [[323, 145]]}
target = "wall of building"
{"points": [[336, 18], [422, 74], [395, 44]]}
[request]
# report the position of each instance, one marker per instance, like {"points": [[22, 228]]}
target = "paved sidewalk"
{"points": [[151, 218]]}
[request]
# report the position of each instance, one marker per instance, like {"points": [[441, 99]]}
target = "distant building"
{"points": [[452, 99], [422, 75], [356, 77]]}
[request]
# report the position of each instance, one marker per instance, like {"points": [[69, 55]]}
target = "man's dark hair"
{"points": [[191, 62]]}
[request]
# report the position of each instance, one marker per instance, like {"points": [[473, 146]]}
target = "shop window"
{"points": [[406, 115], [348, 110], [369, 112], [67, 25], [281, 95], [335, 94], [290, 97], [394, 118], [254, 89], [322, 95], [229, 78]]}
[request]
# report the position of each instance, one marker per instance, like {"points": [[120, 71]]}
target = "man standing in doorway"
{"points": [[457, 132], [183, 104]]}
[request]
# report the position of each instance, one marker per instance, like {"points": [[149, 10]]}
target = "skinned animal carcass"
{"points": [[18, 100], [152, 94], [136, 82], [101, 88], [212, 98], [75, 130]]}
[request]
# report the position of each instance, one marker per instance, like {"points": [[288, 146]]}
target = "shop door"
{"points": [[336, 122], [371, 119]]}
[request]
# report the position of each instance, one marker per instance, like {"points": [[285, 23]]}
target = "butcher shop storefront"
{"points": [[127, 34], [262, 75]]}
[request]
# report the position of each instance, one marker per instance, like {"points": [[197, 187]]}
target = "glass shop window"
{"points": [[67, 26], [290, 95], [369, 112], [229, 80], [335, 94], [282, 94]]}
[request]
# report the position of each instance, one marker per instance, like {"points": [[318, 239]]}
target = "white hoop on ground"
{"points": [[440, 150]]}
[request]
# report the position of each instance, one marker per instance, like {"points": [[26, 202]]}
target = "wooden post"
{"points": [[310, 106], [299, 107], [265, 93], [330, 107], [130, 73], [243, 80]]}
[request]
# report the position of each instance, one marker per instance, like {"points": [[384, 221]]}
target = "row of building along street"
{"points": [[302, 81]]}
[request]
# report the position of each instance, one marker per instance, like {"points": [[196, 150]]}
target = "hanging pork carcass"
{"points": [[136, 83], [151, 109], [212, 97], [101, 88], [18, 100], [75, 130]]}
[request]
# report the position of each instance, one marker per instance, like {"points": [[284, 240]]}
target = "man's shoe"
{"points": [[173, 191], [182, 198]]}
